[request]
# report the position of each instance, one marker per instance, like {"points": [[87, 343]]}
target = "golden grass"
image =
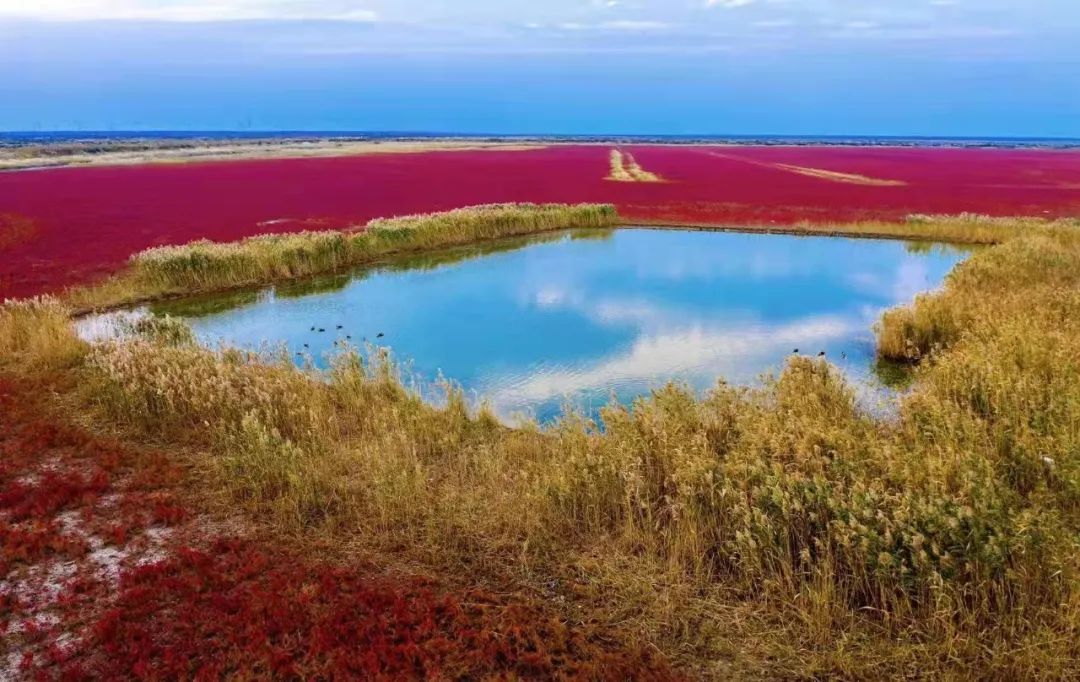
{"points": [[618, 172], [36, 334], [777, 528], [625, 168], [640, 174], [1028, 272], [964, 228], [206, 266]]}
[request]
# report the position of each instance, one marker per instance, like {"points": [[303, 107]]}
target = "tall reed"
{"points": [[1023, 272], [207, 266], [37, 333]]}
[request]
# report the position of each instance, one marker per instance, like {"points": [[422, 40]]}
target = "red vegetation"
{"points": [[107, 575], [237, 608], [87, 221]]}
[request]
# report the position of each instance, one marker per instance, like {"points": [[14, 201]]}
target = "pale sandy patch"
{"points": [[625, 168], [618, 172], [835, 176], [16, 160], [819, 173]]}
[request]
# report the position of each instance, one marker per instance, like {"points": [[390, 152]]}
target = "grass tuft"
{"points": [[37, 334], [205, 266], [640, 174], [624, 168], [1036, 263]]}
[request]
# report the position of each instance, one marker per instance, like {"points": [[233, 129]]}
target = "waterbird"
{"points": [[339, 326], [348, 337], [313, 329], [795, 351], [379, 335], [321, 329], [821, 354], [305, 345]]}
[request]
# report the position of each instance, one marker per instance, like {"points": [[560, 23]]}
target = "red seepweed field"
{"points": [[72, 225]]}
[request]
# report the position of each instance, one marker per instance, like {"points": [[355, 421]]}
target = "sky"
{"points": [[679, 67]]}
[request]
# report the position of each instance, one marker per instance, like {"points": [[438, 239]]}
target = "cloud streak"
{"points": [[193, 11]]}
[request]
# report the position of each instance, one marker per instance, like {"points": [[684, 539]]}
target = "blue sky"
{"points": [[859, 67]]}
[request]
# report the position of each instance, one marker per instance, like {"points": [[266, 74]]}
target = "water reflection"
{"points": [[203, 306], [531, 323]]}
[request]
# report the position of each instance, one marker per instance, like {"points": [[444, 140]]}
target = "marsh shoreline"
{"points": [[807, 230]]}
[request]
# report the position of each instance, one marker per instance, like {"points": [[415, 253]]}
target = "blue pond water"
{"points": [[574, 318]]}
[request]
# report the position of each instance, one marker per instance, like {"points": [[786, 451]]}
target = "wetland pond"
{"points": [[533, 325]]}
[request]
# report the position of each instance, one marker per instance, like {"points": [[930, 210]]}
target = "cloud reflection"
{"points": [[691, 354]]}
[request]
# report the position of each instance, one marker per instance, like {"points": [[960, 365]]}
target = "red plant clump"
{"points": [[35, 539], [89, 220], [14, 229], [106, 574], [51, 493], [240, 610]]}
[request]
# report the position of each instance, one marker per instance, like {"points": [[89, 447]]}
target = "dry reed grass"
{"points": [[1031, 271], [618, 172], [640, 174], [209, 266], [36, 334], [625, 168]]}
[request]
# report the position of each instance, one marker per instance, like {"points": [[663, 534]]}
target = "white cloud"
{"points": [[628, 25], [774, 23], [573, 26], [187, 10], [693, 351], [613, 25], [730, 4]]}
